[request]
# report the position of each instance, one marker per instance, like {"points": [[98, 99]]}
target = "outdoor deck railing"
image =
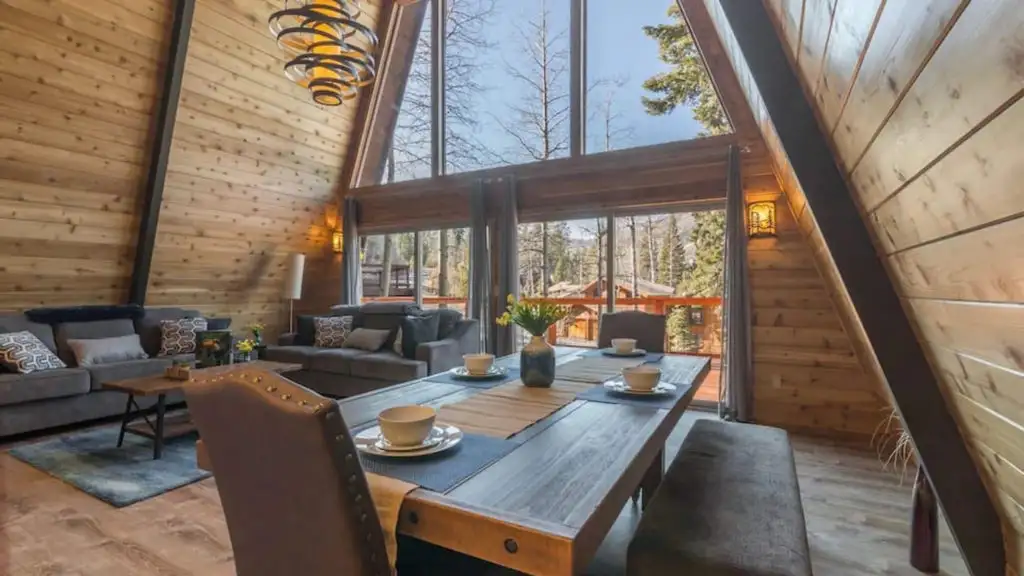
{"points": [[709, 330]]}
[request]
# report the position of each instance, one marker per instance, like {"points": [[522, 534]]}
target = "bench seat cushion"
{"points": [[42, 385], [728, 505], [335, 360], [388, 366], [292, 354]]}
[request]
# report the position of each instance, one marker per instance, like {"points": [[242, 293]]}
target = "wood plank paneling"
{"points": [[930, 139], [78, 83], [253, 176]]}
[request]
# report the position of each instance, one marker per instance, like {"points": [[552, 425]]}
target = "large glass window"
{"points": [[646, 80], [446, 268], [507, 82], [387, 265], [409, 157]]}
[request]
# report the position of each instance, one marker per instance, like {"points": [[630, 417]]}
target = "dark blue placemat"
{"points": [[447, 378], [445, 470], [602, 394], [649, 358]]}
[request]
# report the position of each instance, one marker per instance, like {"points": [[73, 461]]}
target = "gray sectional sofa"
{"points": [[45, 399], [344, 372]]}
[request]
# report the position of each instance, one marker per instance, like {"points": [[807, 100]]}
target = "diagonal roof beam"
{"points": [[716, 62], [941, 449], [399, 30]]}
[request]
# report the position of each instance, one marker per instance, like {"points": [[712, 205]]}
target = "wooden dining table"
{"points": [[545, 507]]}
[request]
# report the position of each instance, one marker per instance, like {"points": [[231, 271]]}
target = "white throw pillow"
{"points": [[331, 331], [179, 336], [24, 353], [95, 351]]}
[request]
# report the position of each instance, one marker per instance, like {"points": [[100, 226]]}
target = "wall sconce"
{"points": [[761, 219], [337, 242]]}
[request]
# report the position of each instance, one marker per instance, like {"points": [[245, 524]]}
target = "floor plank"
{"points": [[857, 522]]}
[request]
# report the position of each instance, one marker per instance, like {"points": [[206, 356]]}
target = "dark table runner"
{"points": [[601, 394], [447, 378], [443, 471], [649, 358]]}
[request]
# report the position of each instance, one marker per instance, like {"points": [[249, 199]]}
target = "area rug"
{"points": [[91, 461]]}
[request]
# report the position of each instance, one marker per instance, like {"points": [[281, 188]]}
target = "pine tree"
{"points": [[688, 82], [672, 256], [708, 235], [680, 338]]}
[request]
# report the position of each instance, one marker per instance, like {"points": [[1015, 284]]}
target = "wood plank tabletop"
{"points": [[544, 508]]}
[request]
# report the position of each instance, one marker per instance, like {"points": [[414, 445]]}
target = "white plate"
{"points": [[620, 387], [463, 374], [636, 353], [442, 437]]}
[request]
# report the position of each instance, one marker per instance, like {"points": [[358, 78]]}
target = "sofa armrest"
{"points": [[447, 353], [287, 339]]}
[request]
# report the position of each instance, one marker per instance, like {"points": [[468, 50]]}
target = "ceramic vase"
{"points": [[537, 363]]}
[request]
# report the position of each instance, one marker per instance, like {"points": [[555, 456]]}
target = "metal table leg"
{"points": [[158, 440], [125, 419]]}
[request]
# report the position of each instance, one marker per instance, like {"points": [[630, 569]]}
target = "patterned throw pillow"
{"points": [[23, 353], [331, 331], [179, 336]]}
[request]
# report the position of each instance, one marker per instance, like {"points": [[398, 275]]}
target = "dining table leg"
{"points": [[652, 478]]}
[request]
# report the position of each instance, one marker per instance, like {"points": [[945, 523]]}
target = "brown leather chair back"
{"points": [[293, 491], [647, 329]]}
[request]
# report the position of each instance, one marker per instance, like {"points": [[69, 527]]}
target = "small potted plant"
{"points": [[257, 338], [245, 349], [537, 359]]}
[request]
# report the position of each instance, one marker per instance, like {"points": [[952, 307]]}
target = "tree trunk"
{"points": [[600, 253], [442, 264], [385, 270], [650, 249], [545, 279], [632, 256]]}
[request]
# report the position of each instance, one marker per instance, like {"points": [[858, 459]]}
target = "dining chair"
{"points": [[293, 492], [647, 329]]}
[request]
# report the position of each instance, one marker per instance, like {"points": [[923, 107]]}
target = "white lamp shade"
{"points": [[293, 281]]}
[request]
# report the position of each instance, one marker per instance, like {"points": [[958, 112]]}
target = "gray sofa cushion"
{"points": [[86, 330], [367, 339], [58, 383], [447, 320], [335, 361], [17, 322], [148, 326], [106, 350], [729, 504], [292, 354], [124, 370], [388, 366]]}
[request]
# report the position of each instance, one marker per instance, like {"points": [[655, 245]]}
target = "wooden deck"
{"points": [[856, 522]]}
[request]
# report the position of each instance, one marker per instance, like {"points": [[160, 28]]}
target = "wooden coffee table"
{"points": [[160, 386]]}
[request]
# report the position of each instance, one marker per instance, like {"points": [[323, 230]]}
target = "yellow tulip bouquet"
{"points": [[535, 318]]}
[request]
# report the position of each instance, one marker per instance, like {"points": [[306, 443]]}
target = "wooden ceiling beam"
{"points": [[914, 387], [163, 134], [399, 29]]}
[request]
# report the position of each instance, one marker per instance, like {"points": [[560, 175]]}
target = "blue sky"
{"points": [[617, 51], [619, 58]]}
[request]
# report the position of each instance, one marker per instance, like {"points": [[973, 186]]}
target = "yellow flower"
{"points": [[504, 319], [511, 299]]}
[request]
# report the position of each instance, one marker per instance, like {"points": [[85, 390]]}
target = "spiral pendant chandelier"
{"points": [[320, 33]]}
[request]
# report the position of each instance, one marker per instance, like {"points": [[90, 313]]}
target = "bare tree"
{"points": [[539, 126], [467, 53]]}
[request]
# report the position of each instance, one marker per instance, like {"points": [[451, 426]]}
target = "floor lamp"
{"points": [[293, 285]]}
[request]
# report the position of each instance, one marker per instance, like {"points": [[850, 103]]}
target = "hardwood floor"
{"points": [[856, 522]]}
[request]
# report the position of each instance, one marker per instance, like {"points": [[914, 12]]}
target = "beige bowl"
{"points": [[644, 377], [478, 363], [624, 345], [406, 425]]}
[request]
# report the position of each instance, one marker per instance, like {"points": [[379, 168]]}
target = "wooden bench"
{"points": [[728, 505]]}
